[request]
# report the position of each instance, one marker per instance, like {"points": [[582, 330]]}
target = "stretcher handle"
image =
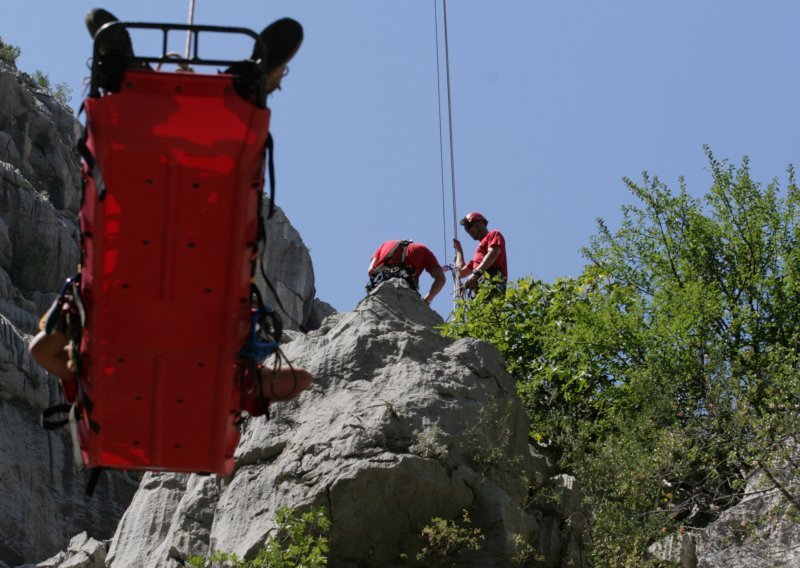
{"points": [[105, 33]]}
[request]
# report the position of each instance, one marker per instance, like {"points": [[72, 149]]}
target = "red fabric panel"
{"points": [[166, 270]]}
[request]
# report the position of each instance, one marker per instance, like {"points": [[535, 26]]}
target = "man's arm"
{"points": [[463, 270], [50, 351], [489, 260], [486, 263], [439, 280]]}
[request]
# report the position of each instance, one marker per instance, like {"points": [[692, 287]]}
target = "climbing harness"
{"points": [[390, 266]]}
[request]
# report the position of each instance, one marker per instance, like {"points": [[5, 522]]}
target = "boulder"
{"points": [[761, 531], [400, 427]]}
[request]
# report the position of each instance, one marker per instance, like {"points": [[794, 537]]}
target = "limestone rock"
{"points": [[38, 136], [761, 531], [319, 311], [289, 270], [401, 426], [44, 503], [42, 242], [83, 552]]}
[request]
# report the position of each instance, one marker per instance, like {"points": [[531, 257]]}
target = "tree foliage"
{"points": [[300, 541], [9, 53], [667, 371]]}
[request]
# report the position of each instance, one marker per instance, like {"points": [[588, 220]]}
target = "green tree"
{"points": [[9, 53], [666, 372]]}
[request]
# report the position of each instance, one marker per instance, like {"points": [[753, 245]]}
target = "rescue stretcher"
{"points": [[171, 228]]}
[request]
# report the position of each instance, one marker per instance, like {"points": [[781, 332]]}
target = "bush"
{"points": [[445, 541], [300, 541], [9, 53], [667, 371]]}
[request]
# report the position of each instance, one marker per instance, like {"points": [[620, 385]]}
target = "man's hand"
{"points": [[457, 245], [471, 283]]}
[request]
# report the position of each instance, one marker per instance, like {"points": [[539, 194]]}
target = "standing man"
{"points": [[490, 256], [406, 260]]}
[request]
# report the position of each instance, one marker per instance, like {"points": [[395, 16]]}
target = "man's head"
{"points": [[475, 225]]}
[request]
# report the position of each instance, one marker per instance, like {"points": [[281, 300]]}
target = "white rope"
{"points": [[450, 117], [458, 290], [188, 32], [441, 140]]}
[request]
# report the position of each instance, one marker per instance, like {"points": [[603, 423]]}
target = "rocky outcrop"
{"points": [[401, 426], [761, 531], [44, 503], [287, 264], [37, 137]]}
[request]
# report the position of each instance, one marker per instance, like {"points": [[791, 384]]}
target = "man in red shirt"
{"points": [[489, 257], [406, 260]]}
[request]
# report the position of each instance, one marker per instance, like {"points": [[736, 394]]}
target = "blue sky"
{"points": [[553, 103]]}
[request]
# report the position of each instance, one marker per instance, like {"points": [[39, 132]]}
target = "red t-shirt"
{"points": [[492, 239], [419, 257]]}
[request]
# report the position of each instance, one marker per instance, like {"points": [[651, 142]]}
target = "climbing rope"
{"points": [[189, 33], [441, 140], [458, 290]]}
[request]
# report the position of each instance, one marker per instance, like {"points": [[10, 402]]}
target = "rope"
{"points": [[457, 291], [441, 140], [450, 117], [188, 32]]}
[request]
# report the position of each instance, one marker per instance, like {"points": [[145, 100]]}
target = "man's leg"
{"points": [[114, 46], [51, 352], [284, 382], [282, 38]]}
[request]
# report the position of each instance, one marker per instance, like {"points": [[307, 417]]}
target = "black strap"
{"points": [[388, 258], [48, 423], [388, 272], [271, 171], [94, 170], [94, 477]]}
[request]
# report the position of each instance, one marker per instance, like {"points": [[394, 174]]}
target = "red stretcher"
{"points": [[170, 226]]}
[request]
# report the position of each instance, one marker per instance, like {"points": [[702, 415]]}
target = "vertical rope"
{"points": [[450, 117], [458, 291], [189, 33], [441, 140]]}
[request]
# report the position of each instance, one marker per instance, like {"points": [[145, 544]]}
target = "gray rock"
{"points": [[43, 246], [45, 501], [290, 272], [319, 311], [401, 426], [761, 531], [83, 552], [39, 137]]}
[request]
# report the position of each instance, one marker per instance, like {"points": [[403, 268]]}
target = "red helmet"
{"points": [[472, 217]]}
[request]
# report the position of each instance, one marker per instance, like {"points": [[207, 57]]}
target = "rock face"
{"points": [[761, 531], [401, 426], [44, 503], [290, 272], [37, 137]]}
